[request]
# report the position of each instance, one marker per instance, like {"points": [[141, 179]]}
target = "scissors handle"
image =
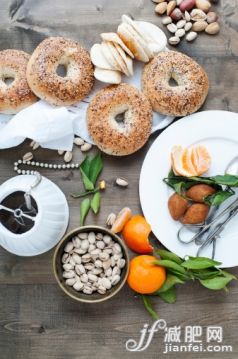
{"points": [[216, 232], [205, 226]]}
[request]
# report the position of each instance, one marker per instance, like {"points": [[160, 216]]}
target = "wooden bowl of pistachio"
{"points": [[91, 264]]}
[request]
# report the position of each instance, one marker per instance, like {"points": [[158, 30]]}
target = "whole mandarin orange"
{"points": [[145, 277], [135, 234]]}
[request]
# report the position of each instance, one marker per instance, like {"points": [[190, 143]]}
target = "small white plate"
{"points": [[217, 130]]}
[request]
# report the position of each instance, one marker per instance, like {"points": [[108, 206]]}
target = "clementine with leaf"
{"points": [[145, 277]]}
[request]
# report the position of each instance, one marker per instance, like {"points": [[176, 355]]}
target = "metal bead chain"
{"points": [[41, 165]]}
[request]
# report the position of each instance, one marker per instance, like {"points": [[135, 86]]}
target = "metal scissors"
{"points": [[206, 228]]}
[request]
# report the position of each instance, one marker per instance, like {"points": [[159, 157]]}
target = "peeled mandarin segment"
{"points": [[177, 156], [135, 234], [123, 217], [144, 276], [201, 159], [187, 162]]}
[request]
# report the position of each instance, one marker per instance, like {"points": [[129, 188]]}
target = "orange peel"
{"points": [[135, 234]]}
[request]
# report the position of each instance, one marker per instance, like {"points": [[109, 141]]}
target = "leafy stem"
{"points": [[149, 308], [84, 194], [90, 170], [180, 271]]}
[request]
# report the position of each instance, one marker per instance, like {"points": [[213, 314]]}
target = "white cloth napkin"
{"points": [[54, 127]]}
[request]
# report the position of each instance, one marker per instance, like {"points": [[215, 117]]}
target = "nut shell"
{"points": [[199, 26], [211, 17], [187, 5], [203, 5], [213, 28]]}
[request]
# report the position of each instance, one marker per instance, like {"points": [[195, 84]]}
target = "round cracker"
{"points": [[98, 58], [113, 37], [127, 59], [154, 33], [132, 43], [108, 76], [117, 57], [107, 53], [138, 33]]}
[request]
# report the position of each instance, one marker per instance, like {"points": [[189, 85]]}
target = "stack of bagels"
{"points": [[119, 117]]}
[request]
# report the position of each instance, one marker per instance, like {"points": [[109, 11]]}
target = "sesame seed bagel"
{"points": [[125, 136], [192, 84], [16, 95], [42, 71]]}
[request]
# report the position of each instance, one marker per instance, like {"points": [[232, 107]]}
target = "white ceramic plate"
{"points": [[217, 130]]}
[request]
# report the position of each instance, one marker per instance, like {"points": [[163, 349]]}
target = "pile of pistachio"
{"points": [[92, 262], [187, 18]]}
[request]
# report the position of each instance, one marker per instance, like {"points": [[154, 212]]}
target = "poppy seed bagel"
{"points": [[192, 84], [119, 137], [17, 95], [42, 73]]}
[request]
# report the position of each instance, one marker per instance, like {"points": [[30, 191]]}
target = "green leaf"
{"points": [[181, 187], [84, 208], [216, 283], [227, 274], [169, 296], [227, 180], [205, 273], [149, 308], [199, 263], [96, 167], [183, 276], [85, 165], [218, 198], [204, 180], [170, 264], [95, 202], [168, 255], [171, 280], [171, 173], [89, 186]]}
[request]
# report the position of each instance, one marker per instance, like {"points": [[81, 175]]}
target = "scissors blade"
{"points": [[200, 239]]}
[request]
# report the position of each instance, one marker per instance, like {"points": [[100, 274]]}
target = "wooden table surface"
{"points": [[36, 319]]}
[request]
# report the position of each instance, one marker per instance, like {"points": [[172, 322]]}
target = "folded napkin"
{"points": [[55, 127]]}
